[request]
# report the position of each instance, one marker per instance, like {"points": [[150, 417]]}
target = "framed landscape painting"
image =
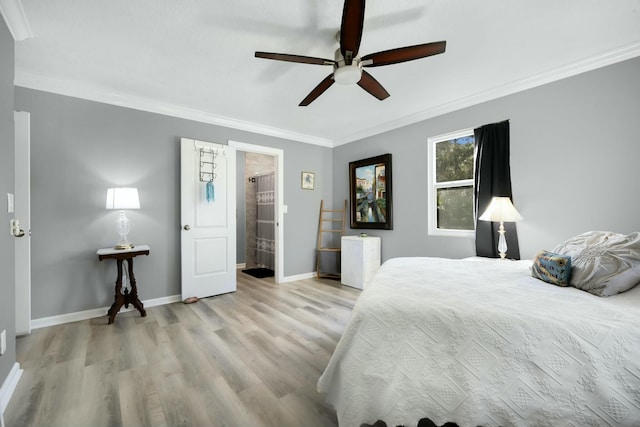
{"points": [[370, 193]]}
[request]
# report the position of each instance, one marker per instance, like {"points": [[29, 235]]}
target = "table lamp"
{"points": [[501, 210], [123, 198]]}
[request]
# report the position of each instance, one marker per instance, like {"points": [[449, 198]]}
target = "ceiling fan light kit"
{"points": [[347, 66], [348, 74]]}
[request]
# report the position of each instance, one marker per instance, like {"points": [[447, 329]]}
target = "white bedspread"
{"points": [[481, 342]]}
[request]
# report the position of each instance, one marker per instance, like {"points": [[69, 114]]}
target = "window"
{"points": [[451, 163]]}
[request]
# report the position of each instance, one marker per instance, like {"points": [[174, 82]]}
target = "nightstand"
{"points": [[125, 297], [360, 259]]}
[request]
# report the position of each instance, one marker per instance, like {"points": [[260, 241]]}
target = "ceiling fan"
{"points": [[347, 65]]}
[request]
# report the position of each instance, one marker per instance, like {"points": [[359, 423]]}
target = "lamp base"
{"points": [[502, 242], [122, 225]]}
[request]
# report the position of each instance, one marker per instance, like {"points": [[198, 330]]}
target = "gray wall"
{"points": [[574, 163], [7, 278], [80, 148], [573, 159]]}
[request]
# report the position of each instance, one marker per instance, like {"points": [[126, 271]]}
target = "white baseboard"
{"points": [[8, 387], [99, 312], [243, 265], [96, 312], [299, 277]]}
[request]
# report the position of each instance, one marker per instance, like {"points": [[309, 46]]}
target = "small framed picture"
{"points": [[308, 180]]}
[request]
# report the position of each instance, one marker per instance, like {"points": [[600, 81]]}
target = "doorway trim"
{"points": [[22, 212], [279, 196]]}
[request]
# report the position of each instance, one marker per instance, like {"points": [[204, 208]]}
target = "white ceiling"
{"points": [[195, 58]]}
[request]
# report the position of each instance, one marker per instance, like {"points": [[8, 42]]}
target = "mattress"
{"points": [[481, 342]]}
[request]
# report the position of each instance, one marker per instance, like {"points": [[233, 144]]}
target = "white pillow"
{"points": [[603, 263]]}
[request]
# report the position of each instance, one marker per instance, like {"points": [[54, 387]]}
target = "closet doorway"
{"points": [[259, 206], [259, 181]]}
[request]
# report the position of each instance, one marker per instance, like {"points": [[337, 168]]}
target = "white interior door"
{"points": [[208, 218], [23, 215]]}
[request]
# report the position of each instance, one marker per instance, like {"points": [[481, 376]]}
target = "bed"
{"points": [[480, 342]]}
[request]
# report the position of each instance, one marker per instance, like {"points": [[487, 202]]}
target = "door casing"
{"points": [[22, 245]]}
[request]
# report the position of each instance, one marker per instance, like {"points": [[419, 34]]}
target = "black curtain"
{"points": [[493, 178]]}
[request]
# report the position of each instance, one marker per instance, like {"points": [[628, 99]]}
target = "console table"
{"points": [[125, 297]]}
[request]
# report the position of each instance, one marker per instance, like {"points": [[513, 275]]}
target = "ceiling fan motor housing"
{"points": [[347, 74]]}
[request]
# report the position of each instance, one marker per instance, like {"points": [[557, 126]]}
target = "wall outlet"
{"points": [[3, 341]]}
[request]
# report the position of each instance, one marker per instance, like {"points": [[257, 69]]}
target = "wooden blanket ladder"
{"points": [[331, 226]]}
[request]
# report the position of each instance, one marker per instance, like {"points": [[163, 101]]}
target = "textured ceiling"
{"points": [[195, 58]]}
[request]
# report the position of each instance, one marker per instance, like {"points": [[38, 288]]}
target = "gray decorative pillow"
{"points": [[603, 263]]}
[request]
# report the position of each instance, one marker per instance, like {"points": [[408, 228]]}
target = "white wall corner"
{"points": [[16, 19], [7, 389]]}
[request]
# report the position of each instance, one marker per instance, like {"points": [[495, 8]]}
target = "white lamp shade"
{"points": [[122, 198], [500, 210]]}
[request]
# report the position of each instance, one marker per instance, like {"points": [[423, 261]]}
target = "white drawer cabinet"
{"points": [[360, 259]]}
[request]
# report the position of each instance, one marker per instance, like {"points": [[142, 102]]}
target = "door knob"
{"points": [[187, 227], [16, 231]]}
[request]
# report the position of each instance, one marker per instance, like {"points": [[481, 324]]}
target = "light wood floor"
{"points": [[251, 358]]}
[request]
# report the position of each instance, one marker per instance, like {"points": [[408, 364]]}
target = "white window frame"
{"points": [[432, 203]]}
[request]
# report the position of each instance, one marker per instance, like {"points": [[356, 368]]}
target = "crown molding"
{"points": [[588, 64], [103, 95], [100, 94], [16, 20]]}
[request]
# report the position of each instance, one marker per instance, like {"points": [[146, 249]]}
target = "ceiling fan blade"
{"points": [[351, 28], [402, 54], [294, 58], [318, 90], [371, 85]]}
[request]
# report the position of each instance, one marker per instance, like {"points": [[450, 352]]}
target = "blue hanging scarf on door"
{"points": [[210, 192]]}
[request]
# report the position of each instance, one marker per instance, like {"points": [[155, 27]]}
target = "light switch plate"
{"points": [[3, 341], [10, 203], [285, 209]]}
